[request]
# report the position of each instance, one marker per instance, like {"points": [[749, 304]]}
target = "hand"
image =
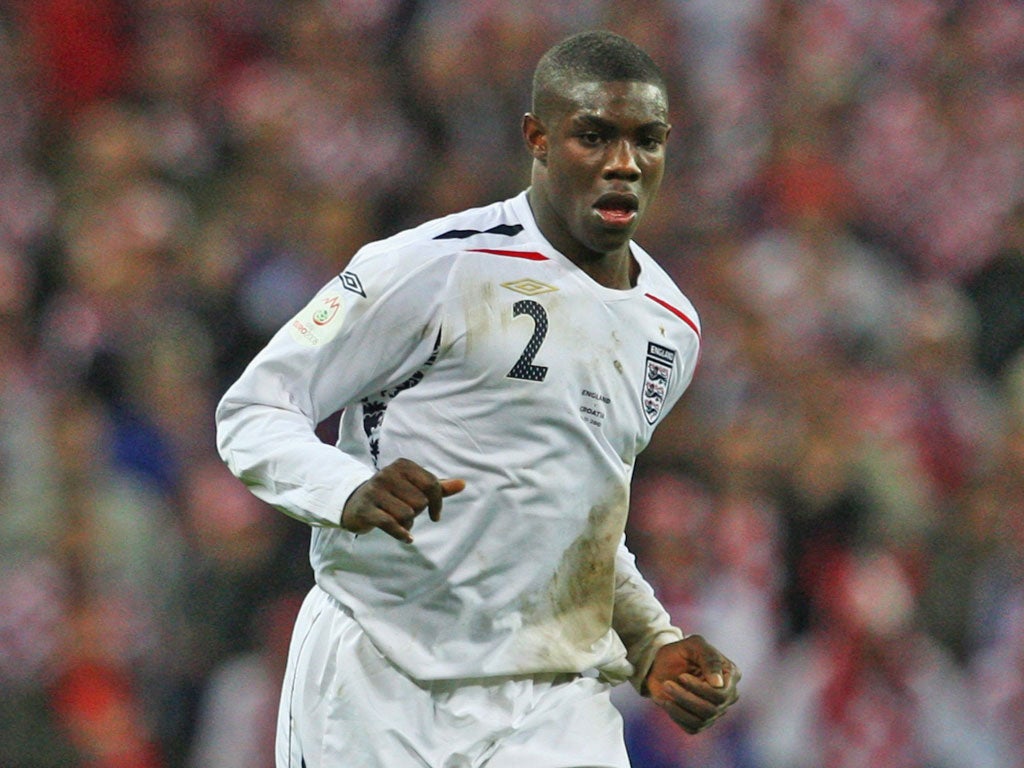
{"points": [[391, 500], [693, 682]]}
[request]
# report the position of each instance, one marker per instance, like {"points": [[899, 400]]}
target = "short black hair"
{"points": [[592, 56]]}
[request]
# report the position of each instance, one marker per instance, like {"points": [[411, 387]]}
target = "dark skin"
{"points": [[393, 498], [599, 157], [598, 160], [693, 682]]}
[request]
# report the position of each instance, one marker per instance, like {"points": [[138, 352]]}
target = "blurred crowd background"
{"points": [[838, 501]]}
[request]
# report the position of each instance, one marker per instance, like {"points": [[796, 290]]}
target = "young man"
{"points": [[507, 363]]}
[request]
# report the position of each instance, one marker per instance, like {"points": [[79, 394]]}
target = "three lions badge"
{"points": [[656, 377]]}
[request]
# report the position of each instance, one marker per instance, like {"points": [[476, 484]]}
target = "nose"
{"points": [[621, 162]]}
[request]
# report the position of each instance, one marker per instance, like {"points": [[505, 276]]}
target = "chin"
{"points": [[612, 242]]}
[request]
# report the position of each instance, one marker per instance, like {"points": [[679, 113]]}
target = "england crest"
{"points": [[656, 377]]}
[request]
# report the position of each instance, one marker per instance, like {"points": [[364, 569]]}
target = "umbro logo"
{"points": [[529, 287], [351, 282]]}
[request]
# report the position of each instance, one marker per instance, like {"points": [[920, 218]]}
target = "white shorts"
{"points": [[344, 705]]}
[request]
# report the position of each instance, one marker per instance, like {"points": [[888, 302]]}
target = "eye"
{"points": [[650, 143], [590, 138]]}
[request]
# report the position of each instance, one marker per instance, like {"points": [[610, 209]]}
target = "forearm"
{"points": [[639, 618], [266, 421], [273, 448]]}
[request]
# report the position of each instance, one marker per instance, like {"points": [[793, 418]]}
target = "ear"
{"points": [[536, 137]]}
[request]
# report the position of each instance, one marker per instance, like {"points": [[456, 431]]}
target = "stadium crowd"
{"points": [[837, 502]]}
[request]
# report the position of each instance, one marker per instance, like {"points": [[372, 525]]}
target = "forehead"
{"points": [[631, 100]]}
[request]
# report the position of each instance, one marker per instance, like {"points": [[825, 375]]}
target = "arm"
{"points": [[342, 347], [685, 676], [639, 618]]}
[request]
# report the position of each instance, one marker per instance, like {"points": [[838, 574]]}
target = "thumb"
{"points": [[711, 669], [451, 486]]}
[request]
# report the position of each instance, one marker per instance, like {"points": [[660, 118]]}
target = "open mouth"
{"points": [[617, 209]]}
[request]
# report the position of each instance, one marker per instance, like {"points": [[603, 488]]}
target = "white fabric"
{"points": [[499, 362], [345, 704]]}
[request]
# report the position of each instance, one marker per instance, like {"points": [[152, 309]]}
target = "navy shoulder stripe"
{"points": [[461, 234]]}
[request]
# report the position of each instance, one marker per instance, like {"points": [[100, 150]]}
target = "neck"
{"points": [[617, 269]]}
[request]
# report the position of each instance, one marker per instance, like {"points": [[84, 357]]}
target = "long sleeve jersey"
{"points": [[474, 348]]}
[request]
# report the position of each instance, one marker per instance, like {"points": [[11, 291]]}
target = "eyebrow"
{"points": [[600, 122]]}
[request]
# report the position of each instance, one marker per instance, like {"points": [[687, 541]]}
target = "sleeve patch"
{"points": [[319, 322]]}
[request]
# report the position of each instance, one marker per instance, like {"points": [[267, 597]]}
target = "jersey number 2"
{"points": [[524, 367]]}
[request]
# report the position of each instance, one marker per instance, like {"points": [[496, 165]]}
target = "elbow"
{"points": [[226, 430]]}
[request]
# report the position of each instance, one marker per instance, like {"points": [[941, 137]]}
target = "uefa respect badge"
{"points": [[319, 321]]}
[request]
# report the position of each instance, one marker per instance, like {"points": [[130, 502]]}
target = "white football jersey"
{"points": [[472, 347]]}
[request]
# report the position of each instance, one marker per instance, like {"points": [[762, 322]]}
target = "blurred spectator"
{"points": [[866, 687], [34, 613], [238, 717], [997, 595], [96, 701], [712, 558], [236, 554], [995, 291], [80, 50]]}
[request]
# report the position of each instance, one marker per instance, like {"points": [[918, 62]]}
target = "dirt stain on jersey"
{"points": [[576, 606], [479, 312]]}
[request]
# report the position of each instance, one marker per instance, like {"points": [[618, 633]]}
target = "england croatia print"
{"points": [[660, 360]]}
